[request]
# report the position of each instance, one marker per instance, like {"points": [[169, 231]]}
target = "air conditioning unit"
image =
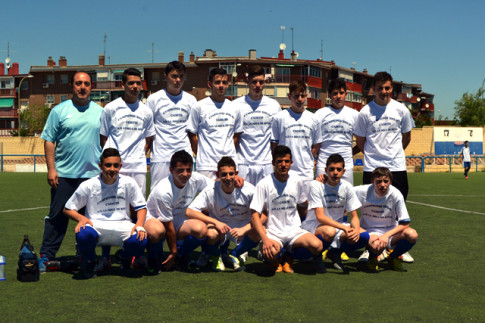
{"points": [[45, 85], [154, 82]]}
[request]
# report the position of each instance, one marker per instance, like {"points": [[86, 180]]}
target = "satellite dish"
{"points": [[7, 60], [282, 46], [282, 27], [207, 93], [296, 53]]}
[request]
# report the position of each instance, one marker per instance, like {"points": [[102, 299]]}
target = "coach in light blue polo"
{"points": [[72, 152]]}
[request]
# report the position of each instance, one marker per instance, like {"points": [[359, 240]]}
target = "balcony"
{"points": [[8, 92]]}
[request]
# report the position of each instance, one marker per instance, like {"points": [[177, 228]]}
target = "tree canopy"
{"points": [[470, 109]]}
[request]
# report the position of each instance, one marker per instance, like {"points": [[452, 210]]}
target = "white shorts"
{"points": [[254, 173], [379, 232], [158, 171], [348, 175], [112, 233], [311, 226], [208, 173], [287, 239], [177, 221], [140, 179]]}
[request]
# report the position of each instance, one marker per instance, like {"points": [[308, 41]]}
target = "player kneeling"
{"points": [[229, 215], [385, 216], [327, 205], [107, 199]]}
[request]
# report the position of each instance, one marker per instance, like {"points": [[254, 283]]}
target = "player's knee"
{"points": [[316, 246], [212, 235], [155, 230], [410, 235], [86, 235], [327, 232]]}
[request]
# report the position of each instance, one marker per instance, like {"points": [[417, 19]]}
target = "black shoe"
{"points": [[185, 264], [337, 260], [87, 270], [153, 266]]}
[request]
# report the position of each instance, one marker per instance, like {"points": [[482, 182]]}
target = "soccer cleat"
{"points": [[384, 255], [364, 257], [218, 264], [203, 260], [466, 177], [396, 264], [288, 266], [43, 260], [127, 263], [87, 270], [104, 265], [344, 257], [153, 266], [244, 256], [184, 264], [277, 267], [319, 265], [337, 261], [372, 265], [140, 262], [237, 263], [226, 258], [324, 254], [406, 257]]}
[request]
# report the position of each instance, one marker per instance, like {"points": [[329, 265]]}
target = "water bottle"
{"points": [[2, 268]]}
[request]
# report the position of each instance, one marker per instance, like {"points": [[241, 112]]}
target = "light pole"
{"points": [[483, 83], [18, 99]]}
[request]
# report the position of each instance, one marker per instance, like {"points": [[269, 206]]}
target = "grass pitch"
{"points": [[445, 283]]}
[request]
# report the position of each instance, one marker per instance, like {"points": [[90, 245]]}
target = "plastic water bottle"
{"points": [[2, 268]]}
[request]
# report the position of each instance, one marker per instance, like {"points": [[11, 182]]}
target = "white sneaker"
{"points": [[244, 256], [218, 264], [406, 257], [203, 260], [383, 256], [237, 263], [364, 257]]}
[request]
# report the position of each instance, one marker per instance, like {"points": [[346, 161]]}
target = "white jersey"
{"points": [[215, 124], [465, 151], [337, 128], [254, 143], [168, 203], [381, 211], [107, 202], [383, 126], [127, 125], [334, 200], [231, 209], [281, 201], [299, 132], [170, 115]]}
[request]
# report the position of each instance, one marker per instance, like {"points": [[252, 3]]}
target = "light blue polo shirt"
{"points": [[75, 131]]}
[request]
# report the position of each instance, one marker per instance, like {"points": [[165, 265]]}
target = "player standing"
{"points": [[257, 111], [467, 161]]}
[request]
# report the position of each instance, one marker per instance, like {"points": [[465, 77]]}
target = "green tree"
{"points": [[32, 120], [470, 109]]}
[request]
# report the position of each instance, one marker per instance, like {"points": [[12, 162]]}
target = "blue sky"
{"points": [[438, 44]]}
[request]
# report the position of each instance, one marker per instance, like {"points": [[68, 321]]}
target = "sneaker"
{"points": [[466, 177], [104, 265], [43, 260], [384, 255], [153, 266], [406, 257], [396, 264], [127, 263], [372, 265], [226, 258], [87, 270], [203, 260], [244, 257], [237, 263], [185, 264], [140, 262], [218, 264], [324, 254], [319, 265], [337, 261], [344, 257], [277, 267], [288, 266], [364, 257]]}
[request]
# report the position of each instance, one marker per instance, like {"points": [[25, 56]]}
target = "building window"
{"points": [[49, 79], [348, 76], [3, 84], [25, 85], [228, 66], [64, 97], [64, 79], [312, 71], [49, 99], [102, 76], [118, 77], [282, 75]]}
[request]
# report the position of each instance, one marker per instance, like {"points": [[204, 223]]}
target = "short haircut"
{"points": [[337, 84], [281, 151], [382, 77], [175, 65], [182, 157], [334, 159], [466, 141], [381, 172], [130, 71], [226, 161], [297, 86], [216, 71], [255, 70], [76, 73], [109, 152]]}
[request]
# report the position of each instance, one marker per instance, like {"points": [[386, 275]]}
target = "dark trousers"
{"points": [[55, 224], [399, 181]]}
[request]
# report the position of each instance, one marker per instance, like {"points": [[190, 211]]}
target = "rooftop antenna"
{"points": [[282, 45], [7, 60], [153, 44], [153, 51], [105, 37], [292, 47], [321, 49]]}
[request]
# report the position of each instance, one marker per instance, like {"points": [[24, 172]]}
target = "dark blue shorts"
{"points": [[467, 164]]}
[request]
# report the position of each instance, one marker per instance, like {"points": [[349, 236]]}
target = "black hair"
{"points": [[130, 71], [182, 157], [337, 84], [174, 65], [281, 151], [334, 159]]}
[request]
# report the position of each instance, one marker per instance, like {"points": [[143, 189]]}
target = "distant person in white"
{"points": [[297, 128], [127, 125], [383, 131], [384, 215], [214, 126], [257, 112], [467, 160], [337, 123], [171, 108], [228, 211]]}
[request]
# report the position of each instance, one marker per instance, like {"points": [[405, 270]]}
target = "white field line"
{"points": [[28, 209], [445, 195], [445, 208]]}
